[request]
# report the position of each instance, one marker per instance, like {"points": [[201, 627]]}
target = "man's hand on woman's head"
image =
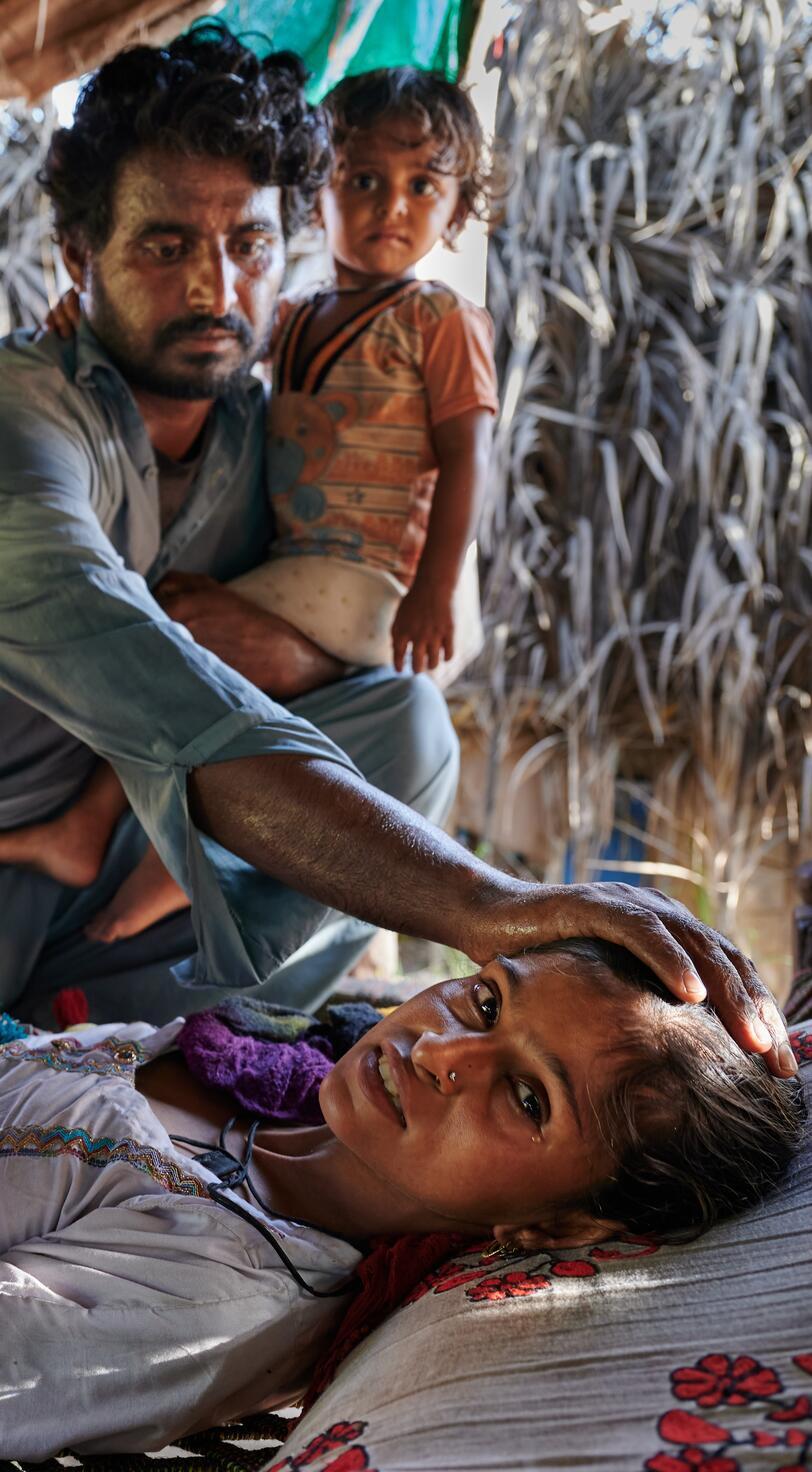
{"points": [[689, 958]]}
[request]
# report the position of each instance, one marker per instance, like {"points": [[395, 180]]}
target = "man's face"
{"points": [[182, 293]]}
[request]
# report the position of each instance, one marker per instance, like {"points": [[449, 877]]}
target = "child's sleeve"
{"points": [[458, 367]]}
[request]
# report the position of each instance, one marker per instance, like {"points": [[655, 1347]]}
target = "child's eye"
{"points": [[424, 187], [530, 1102], [487, 1000], [364, 182]]}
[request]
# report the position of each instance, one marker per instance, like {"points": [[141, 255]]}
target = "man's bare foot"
{"points": [[70, 848], [147, 895]]}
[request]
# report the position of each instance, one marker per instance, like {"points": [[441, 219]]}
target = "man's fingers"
{"points": [[763, 1027], [640, 930], [742, 1001]]}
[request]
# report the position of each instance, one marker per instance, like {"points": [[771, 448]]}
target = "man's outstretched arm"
{"points": [[323, 831]]}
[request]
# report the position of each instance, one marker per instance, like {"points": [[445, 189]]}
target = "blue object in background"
{"points": [[621, 846]]}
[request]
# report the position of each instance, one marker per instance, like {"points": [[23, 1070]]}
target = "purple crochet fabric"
{"points": [[278, 1080]]}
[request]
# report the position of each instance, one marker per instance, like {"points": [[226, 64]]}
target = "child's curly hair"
{"points": [[438, 109], [204, 95]]}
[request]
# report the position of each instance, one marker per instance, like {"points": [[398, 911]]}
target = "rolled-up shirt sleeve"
{"points": [[83, 640]]}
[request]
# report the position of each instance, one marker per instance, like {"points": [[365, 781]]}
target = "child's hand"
{"points": [[64, 318], [424, 621]]}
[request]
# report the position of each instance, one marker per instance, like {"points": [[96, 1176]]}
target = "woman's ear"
{"points": [[568, 1228]]}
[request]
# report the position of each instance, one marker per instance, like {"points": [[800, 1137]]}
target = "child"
{"points": [[384, 387], [380, 429]]}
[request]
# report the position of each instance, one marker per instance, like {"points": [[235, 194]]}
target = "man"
{"points": [[136, 451], [150, 430]]}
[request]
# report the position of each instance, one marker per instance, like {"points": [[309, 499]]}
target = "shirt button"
{"points": [[125, 1053]]}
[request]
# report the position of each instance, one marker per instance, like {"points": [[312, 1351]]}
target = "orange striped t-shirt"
{"points": [[352, 466]]}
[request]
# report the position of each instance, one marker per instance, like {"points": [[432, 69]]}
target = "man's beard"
{"points": [[207, 377]]}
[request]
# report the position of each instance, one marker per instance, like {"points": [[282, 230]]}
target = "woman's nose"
{"points": [[453, 1060]]}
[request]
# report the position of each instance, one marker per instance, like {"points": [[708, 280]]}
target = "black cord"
{"points": [[233, 1173]]}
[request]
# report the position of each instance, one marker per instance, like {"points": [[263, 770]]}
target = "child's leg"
{"points": [[147, 895], [71, 848], [346, 608]]}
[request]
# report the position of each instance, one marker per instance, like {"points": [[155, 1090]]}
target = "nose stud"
{"points": [[452, 1078]]}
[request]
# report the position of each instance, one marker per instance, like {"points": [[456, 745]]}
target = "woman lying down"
{"points": [[556, 1098]]}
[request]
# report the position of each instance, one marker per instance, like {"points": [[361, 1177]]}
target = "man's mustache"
{"points": [[192, 326]]}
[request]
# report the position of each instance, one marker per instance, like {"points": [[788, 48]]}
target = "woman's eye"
{"points": [[529, 1102], [487, 1003]]}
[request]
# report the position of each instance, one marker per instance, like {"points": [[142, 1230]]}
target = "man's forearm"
{"points": [[315, 826]]}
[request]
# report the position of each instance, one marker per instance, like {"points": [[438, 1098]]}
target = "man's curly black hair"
{"points": [[204, 95]]}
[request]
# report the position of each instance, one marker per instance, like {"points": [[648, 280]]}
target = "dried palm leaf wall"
{"points": [[648, 573]]}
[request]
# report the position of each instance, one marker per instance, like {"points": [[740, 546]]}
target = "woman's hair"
{"points": [[437, 109], [204, 95], [698, 1128]]}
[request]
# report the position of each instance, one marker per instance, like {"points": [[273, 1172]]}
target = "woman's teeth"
{"points": [[388, 1083]]}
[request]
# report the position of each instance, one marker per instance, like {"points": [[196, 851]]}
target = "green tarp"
{"points": [[341, 37]]}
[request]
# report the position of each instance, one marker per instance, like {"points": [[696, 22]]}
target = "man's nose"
{"points": [[453, 1059], [210, 284]]}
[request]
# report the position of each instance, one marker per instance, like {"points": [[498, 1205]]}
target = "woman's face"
{"points": [[475, 1099]]}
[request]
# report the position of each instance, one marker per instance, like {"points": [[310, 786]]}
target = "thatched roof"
{"points": [[43, 42]]}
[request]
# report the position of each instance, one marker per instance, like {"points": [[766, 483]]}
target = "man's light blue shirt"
{"points": [[89, 659]]}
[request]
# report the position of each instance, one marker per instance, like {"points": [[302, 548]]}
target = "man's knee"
{"points": [[397, 730], [426, 761]]}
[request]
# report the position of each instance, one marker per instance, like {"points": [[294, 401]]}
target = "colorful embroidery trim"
{"points": [[67, 1055], [100, 1151]]}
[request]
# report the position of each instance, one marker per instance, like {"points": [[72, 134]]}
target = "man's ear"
{"points": [[75, 258], [575, 1227]]}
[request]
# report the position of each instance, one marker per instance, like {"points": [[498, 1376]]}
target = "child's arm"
{"points": [[424, 619]]}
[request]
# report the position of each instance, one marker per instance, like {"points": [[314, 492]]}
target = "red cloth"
{"points": [[390, 1271]]}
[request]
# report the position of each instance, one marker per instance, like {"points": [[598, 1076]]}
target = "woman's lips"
{"points": [[373, 1086]]}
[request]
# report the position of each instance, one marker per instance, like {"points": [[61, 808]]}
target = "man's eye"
{"points": [[529, 1102], [253, 250], [164, 250], [487, 1003]]}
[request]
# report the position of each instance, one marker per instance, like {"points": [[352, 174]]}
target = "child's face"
{"points": [[495, 1076], [386, 206]]}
